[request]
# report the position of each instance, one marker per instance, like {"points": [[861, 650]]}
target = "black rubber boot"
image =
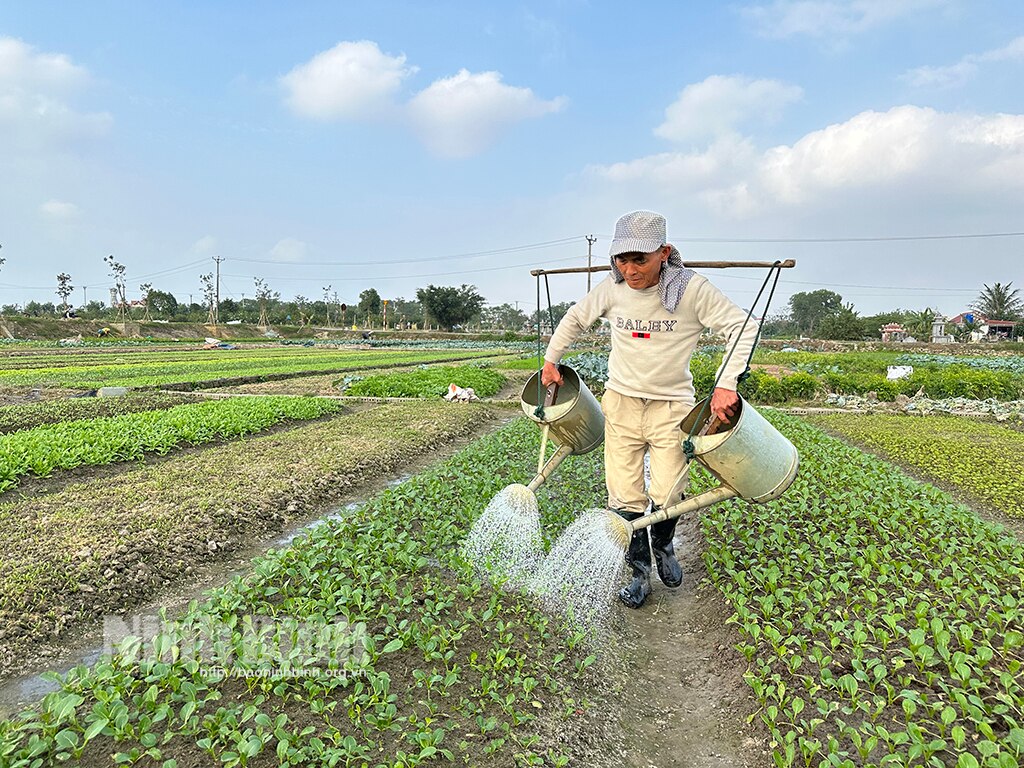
{"points": [[669, 571], [638, 556]]}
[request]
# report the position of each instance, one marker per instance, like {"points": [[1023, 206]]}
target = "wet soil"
{"points": [[684, 701]]}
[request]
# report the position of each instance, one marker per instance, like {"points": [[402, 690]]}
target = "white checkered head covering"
{"points": [[644, 232], [638, 232]]}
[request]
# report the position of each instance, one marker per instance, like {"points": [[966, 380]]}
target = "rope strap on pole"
{"points": [[776, 269]]}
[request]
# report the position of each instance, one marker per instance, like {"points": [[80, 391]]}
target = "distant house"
{"points": [[893, 332], [988, 328]]}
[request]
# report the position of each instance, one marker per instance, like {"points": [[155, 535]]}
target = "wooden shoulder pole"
{"points": [[787, 264]]}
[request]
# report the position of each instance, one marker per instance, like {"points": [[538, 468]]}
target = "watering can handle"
{"points": [[552, 394]]}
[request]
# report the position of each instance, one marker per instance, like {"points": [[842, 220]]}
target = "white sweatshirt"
{"points": [[651, 347]]}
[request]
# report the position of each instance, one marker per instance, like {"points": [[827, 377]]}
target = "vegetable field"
{"points": [[164, 368], [875, 619]]}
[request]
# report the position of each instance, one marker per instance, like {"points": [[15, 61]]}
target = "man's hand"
{"points": [[550, 374], [724, 403]]}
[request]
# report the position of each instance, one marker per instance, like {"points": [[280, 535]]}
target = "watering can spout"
{"points": [[543, 473], [570, 414]]}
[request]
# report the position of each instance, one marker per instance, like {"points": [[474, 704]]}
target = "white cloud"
{"points": [[462, 115], [35, 90], [289, 249], [904, 160], [719, 104], [204, 246], [955, 75], [830, 18], [59, 210], [352, 80]]}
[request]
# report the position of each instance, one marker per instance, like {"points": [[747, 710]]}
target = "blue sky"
{"points": [[398, 144]]}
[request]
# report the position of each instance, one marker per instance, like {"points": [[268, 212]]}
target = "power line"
{"points": [[417, 277], [850, 285], [880, 239], [377, 262]]}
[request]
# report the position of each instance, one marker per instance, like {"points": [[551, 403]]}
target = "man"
{"points": [[657, 309]]}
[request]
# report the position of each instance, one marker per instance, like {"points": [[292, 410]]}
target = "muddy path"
{"points": [[684, 701]]}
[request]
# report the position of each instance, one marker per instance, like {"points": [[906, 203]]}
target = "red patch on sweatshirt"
{"points": [[637, 335]]}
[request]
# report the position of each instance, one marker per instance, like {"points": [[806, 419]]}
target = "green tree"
{"points": [[842, 324], [144, 290], [963, 331], [780, 326], [266, 299], [557, 312], [64, 289], [919, 324], [809, 309], [163, 304], [405, 311], [999, 302], [503, 317], [39, 309], [450, 306], [369, 305], [210, 297], [117, 270]]}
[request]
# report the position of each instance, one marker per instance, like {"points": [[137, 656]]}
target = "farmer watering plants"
{"points": [[657, 309]]}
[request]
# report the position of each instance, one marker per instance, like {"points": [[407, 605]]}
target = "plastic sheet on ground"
{"points": [[894, 372], [457, 394]]}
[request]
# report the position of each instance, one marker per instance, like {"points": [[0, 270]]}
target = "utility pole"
{"points": [[590, 244], [84, 300], [216, 301]]}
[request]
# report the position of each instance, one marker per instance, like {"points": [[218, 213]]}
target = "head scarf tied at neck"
{"points": [[672, 282]]}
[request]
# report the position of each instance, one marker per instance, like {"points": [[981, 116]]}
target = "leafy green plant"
{"points": [[103, 440], [428, 382]]}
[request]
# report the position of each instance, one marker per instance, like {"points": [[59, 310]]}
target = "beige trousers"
{"points": [[634, 426]]}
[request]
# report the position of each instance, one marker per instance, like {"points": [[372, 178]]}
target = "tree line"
{"points": [[818, 314], [441, 307], [823, 314]]}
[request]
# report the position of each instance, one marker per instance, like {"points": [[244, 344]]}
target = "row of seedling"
{"points": [[882, 620], [436, 663]]}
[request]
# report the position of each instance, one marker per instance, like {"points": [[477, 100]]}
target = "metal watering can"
{"points": [[752, 459], [572, 417]]}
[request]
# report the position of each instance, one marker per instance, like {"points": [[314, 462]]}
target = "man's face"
{"points": [[642, 270]]}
